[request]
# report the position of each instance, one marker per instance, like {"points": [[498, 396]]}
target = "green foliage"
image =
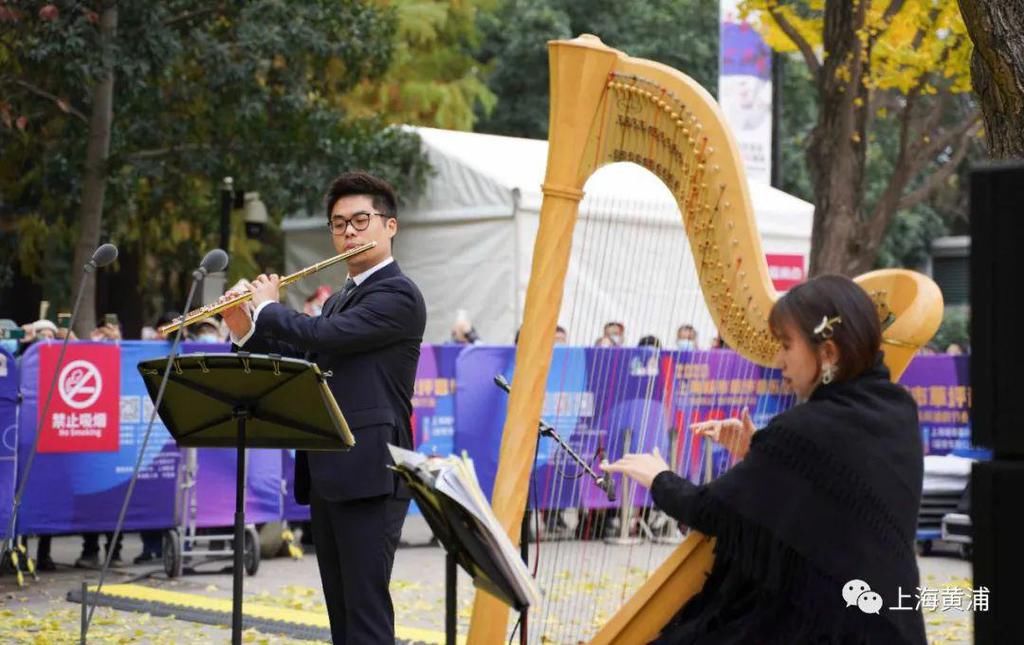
{"points": [[434, 79], [249, 90], [955, 328], [680, 33]]}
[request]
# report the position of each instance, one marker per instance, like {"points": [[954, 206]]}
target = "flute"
{"points": [[207, 311]]}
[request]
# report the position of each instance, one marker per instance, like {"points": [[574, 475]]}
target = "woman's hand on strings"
{"points": [[643, 468], [732, 434]]}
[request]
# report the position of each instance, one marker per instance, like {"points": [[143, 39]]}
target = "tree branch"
{"points": [[189, 15], [156, 153], [943, 141], [61, 104], [801, 43], [890, 11], [940, 176]]}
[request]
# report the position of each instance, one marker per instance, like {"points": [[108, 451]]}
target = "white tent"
{"points": [[468, 241]]}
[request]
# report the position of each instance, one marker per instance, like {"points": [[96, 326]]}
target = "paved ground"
{"points": [[40, 613]]}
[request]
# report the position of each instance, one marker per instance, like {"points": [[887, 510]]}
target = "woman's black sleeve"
{"points": [[683, 501]]}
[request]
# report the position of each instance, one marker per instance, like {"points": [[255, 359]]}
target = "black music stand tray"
{"points": [[241, 401], [460, 534]]}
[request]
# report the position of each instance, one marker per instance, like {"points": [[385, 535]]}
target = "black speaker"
{"points": [[997, 401], [997, 288]]}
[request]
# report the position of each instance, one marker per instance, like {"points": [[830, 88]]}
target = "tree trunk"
{"points": [[94, 183], [997, 71], [837, 149]]}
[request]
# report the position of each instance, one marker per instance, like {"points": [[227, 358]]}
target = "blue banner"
{"points": [[8, 436], [603, 402], [73, 492]]}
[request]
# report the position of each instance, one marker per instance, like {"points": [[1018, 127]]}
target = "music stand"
{"points": [[460, 534], [241, 401]]}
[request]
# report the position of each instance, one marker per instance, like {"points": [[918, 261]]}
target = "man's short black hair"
{"points": [[359, 182]]}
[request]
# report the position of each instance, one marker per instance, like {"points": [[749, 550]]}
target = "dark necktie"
{"points": [[346, 291], [336, 303]]}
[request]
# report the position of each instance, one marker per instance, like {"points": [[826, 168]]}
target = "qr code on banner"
{"points": [[131, 409], [147, 408]]}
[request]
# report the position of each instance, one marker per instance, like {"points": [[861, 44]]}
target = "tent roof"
{"points": [[485, 176]]}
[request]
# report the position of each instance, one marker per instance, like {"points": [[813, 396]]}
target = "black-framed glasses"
{"points": [[359, 221]]}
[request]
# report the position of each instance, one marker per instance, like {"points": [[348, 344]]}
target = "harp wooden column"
{"points": [[562, 195]]}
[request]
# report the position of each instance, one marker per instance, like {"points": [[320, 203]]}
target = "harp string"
{"points": [[660, 279], [678, 159]]}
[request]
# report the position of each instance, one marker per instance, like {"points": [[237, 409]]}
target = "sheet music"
{"points": [[456, 478]]}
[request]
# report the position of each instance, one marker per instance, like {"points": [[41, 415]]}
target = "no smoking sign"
{"points": [[80, 384], [83, 417]]}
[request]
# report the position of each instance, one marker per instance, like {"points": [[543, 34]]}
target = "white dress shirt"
{"points": [[358, 279]]}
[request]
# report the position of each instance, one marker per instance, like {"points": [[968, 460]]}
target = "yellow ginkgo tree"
{"points": [[874, 61], [433, 79]]}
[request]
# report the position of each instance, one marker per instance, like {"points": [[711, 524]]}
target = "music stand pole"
{"points": [[451, 578], [241, 414], [246, 401]]}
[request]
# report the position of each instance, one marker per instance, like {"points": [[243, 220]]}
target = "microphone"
{"points": [[605, 482], [502, 382], [103, 256], [214, 261]]}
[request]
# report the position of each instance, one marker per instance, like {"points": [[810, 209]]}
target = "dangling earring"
{"points": [[828, 373]]}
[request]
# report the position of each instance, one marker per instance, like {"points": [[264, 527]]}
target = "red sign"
{"points": [[786, 271], [84, 413]]}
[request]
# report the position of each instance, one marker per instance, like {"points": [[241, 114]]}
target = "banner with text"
{"points": [[607, 401], [8, 436], [69, 492], [745, 88]]}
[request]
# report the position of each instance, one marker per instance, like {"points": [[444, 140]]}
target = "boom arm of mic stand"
{"points": [[602, 482]]}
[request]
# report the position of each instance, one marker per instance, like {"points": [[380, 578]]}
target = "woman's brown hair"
{"points": [[858, 336]]}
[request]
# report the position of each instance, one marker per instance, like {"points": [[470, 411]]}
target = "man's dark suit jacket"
{"points": [[369, 343]]}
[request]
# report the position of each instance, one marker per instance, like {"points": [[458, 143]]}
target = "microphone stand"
{"points": [[11, 546], [602, 482], [87, 610]]}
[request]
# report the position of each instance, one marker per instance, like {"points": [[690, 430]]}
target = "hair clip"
{"points": [[824, 329]]}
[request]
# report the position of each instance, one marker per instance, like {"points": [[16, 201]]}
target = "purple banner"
{"points": [[605, 402], [8, 436], [433, 402], [941, 387]]}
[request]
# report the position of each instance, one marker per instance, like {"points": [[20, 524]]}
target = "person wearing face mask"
{"points": [[614, 335], [686, 338], [824, 497], [10, 334], [206, 331]]}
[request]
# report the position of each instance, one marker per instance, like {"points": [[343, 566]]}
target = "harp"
{"points": [[607, 107]]}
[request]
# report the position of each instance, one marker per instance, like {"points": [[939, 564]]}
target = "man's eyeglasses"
{"points": [[359, 221]]}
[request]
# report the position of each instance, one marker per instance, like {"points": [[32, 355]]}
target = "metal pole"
{"points": [[626, 503], [85, 612], [451, 577], [778, 62], [227, 198], [236, 595]]}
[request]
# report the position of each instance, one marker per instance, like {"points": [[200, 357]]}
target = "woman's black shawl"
{"points": [[828, 493]]}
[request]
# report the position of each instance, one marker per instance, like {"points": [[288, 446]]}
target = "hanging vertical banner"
{"points": [[745, 89], [84, 412]]}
